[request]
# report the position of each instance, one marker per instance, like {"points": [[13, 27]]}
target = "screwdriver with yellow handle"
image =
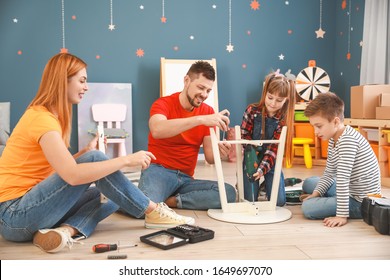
{"points": [[101, 248]]}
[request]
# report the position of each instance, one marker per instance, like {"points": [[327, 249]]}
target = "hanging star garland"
{"points": [[349, 31], [163, 18], [230, 47], [63, 49], [111, 26], [320, 33]]}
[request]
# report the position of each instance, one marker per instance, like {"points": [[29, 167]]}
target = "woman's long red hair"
{"points": [[53, 90]]}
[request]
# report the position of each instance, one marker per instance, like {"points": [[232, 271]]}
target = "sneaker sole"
{"points": [[49, 242]]}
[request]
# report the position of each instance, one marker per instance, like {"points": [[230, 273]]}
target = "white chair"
{"points": [[244, 211], [110, 116]]}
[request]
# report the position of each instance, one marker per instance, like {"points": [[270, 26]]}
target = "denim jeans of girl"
{"points": [[271, 125], [53, 202], [159, 183], [268, 178], [325, 206]]}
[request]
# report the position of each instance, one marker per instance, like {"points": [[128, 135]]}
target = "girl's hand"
{"points": [[335, 221], [142, 158], [257, 175]]}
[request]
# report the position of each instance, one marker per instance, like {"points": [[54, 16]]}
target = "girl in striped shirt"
{"points": [[351, 172]]}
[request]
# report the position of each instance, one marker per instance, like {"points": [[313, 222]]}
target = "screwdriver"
{"points": [[101, 248]]}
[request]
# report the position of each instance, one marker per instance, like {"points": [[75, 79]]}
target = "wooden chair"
{"points": [[244, 211], [110, 116]]}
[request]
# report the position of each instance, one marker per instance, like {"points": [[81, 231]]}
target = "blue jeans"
{"points": [[325, 206], [159, 183], [53, 202], [268, 179]]}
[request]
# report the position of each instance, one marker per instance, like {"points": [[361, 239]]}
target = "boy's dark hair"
{"points": [[327, 105], [201, 67]]}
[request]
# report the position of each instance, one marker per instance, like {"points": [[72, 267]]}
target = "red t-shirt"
{"points": [[179, 152]]}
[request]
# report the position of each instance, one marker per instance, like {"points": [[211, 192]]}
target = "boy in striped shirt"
{"points": [[351, 172]]}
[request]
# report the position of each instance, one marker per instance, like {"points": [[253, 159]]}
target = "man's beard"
{"points": [[192, 101]]}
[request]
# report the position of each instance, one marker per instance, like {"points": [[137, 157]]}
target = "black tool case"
{"points": [[376, 212]]}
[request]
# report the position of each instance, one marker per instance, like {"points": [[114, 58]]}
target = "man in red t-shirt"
{"points": [[179, 124]]}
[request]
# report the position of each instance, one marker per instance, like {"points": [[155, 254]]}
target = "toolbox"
{"points": [[376, 212]]}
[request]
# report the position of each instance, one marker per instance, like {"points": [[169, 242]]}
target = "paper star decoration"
{"points": [[64, 50], [15, 20], [255, 5], [163, 19], [140, 52], [320, 33], [230, 48], [344, 4], [111, 27], [281, 57]]}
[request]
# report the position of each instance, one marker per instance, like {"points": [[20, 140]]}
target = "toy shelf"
{"points": [[305, 130], [377, 132]]}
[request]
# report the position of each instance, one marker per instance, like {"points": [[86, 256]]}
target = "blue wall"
{"points": [[259, 37]]}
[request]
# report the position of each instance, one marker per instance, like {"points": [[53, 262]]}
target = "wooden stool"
{"points": [[305, 142]]}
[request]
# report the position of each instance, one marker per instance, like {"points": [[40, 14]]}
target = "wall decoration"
{"points": [[140, 52], [343, 4], [311, 81], [349, 31], [230, 47], [320, 33], [255, 5], [63, 49], [163, 18], [111, 26]]}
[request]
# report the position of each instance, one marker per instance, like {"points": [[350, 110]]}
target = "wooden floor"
{"points": [[294, 239]]}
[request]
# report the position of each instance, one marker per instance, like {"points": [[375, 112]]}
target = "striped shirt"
{"points": [[354, 166]]}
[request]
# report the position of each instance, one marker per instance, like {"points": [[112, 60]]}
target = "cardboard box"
{"points": [[384, 99], [365, 99], [382, 113]]}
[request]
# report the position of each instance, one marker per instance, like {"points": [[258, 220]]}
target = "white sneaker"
{"points": [[165, 217], [53, 240]]}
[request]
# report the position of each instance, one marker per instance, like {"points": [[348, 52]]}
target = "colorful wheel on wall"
{"points": [[311, 81]]}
